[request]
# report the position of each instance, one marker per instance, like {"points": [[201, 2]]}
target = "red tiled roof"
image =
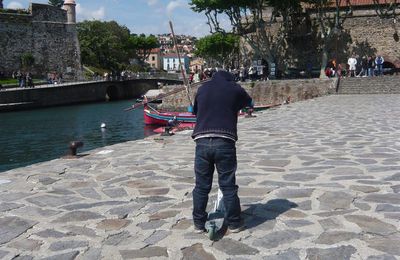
{"points": [[156, 50], [369, 2], [173, 55]]}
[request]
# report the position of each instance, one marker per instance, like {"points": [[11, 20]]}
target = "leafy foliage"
{"points": [[57, 3], [104, 44], [142, 45], [330, 24], [248, 20], [218, 46], [110, 46], [27, 60]]}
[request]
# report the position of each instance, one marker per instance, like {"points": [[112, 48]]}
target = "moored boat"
{"points": [[155, 117]]}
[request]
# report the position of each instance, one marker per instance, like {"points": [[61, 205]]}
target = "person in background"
{"points": [[352, 62], [379, 64], [364, 67], [371, 66], [216, 107], [29, 80]]}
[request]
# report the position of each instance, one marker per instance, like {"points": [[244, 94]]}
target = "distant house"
{"points": [[171, 62], [197, 64], [154, 59]]}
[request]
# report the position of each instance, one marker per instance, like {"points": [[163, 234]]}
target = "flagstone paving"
{"points": [[319, 179]]}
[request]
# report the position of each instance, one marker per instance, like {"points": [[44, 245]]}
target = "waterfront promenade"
{"points": [[319, 179]]}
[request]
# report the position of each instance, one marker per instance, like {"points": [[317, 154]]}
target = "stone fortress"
{"points": [[48, 33]]}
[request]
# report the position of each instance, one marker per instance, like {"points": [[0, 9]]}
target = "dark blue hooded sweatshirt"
{"points": [[217, 104]]}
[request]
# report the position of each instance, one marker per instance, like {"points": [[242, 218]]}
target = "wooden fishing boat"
{"points": [[186, 119], [155, 117]]}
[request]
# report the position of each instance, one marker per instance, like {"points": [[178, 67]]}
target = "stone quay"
{"points": [[319, 179]]}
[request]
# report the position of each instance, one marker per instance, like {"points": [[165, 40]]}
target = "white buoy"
{"points": [[103, 125]]}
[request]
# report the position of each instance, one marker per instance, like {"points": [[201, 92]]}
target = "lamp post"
{"points": [[336, 32]]}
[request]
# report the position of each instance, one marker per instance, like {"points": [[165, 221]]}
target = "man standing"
{"points": [[352, 62], [379, 64], [216, 106], [371, 66]]}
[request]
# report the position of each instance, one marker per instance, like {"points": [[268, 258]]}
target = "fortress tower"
{"points": [[46, 32], [69, 6]]}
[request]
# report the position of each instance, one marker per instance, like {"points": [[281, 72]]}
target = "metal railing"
{"points": [[132, 76]]}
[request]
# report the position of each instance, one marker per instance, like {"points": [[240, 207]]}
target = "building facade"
{"points": [[46, 33], [154, 59], [197, 64], [171, 62]]}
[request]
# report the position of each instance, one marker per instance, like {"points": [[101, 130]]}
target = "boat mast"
{"points": [[185, 81]]}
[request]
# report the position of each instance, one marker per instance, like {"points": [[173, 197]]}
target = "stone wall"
{"points": [[366, 27], [263, 92], [46, 35], [67, 94]]}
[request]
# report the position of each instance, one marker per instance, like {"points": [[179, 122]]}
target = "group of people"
{"points": [[253, 73], [54, 78], [197, 76], [357, 66], [242, 74], [24, 79], [365, 66]]}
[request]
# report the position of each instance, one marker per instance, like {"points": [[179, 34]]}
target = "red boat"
{"points": [[155, 117]]}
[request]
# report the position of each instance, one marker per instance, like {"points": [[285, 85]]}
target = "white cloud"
{"points": [[86, 14], [176, 4], [152, 2], [15, 5]]}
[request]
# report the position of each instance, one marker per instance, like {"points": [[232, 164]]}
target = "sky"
{"points": [[140, 16]]}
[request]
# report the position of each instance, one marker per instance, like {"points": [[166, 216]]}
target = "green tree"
{"points": [[104, 44], [142, 45], [248, 20], [57, 3], [219, 47], [330, 16], [27, 60]]}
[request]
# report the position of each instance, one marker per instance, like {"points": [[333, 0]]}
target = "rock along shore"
{"points": [[319, 179]]}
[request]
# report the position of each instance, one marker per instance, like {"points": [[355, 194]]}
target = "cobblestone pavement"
{"points": [[319, 179]]}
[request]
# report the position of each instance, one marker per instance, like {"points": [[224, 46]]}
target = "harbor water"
{"points": [[28, 137]]}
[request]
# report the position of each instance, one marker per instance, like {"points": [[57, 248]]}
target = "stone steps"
{"points": [[370, 85]]}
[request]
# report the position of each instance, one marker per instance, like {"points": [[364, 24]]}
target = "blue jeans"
{"points": [[371, 72], [380, 70], [216, 152]]}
